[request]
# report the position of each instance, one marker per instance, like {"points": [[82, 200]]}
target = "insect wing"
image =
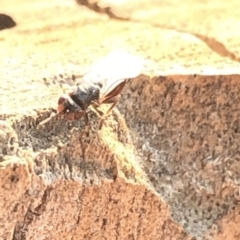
{"points": [[114, 69], [109, 86]]}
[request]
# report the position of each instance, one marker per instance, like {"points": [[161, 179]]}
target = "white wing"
{"points": [[114, 69]]}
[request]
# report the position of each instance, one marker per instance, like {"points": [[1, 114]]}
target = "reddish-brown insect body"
{"points": [[102, 85]]}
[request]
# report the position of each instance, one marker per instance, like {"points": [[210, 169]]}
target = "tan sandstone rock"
{"points": [[165, 165]]}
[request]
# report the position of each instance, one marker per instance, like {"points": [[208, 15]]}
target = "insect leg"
{"points": [[86, 119], [86, 127], [42, 123], [114, 103], [95, 107]]}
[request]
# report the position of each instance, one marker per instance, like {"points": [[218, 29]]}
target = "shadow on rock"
{"points": [[6, 21]]}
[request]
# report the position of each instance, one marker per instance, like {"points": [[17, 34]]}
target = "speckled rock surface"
{"points": [[166, 163]]}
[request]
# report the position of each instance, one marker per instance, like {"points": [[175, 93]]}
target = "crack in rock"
{"points": [[98, 9]]}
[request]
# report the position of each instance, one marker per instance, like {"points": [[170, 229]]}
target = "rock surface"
{"points": [[166, 163]]}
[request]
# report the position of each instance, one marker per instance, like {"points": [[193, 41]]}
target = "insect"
{"points": [[103, 84]]}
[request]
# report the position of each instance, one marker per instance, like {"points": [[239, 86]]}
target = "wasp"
{"points": [[103, 84]]}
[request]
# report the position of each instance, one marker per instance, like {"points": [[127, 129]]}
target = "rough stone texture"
{"points": [[166, 163], [213, 22]]}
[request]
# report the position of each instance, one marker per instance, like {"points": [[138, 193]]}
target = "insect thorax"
{"points": [[85, 93]]}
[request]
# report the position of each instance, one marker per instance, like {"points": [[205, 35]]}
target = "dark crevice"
{"points": [[6, 21], [212, 43], [21, 228], [217, 47], [40, 209], [103, 10], [80, 198]]}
